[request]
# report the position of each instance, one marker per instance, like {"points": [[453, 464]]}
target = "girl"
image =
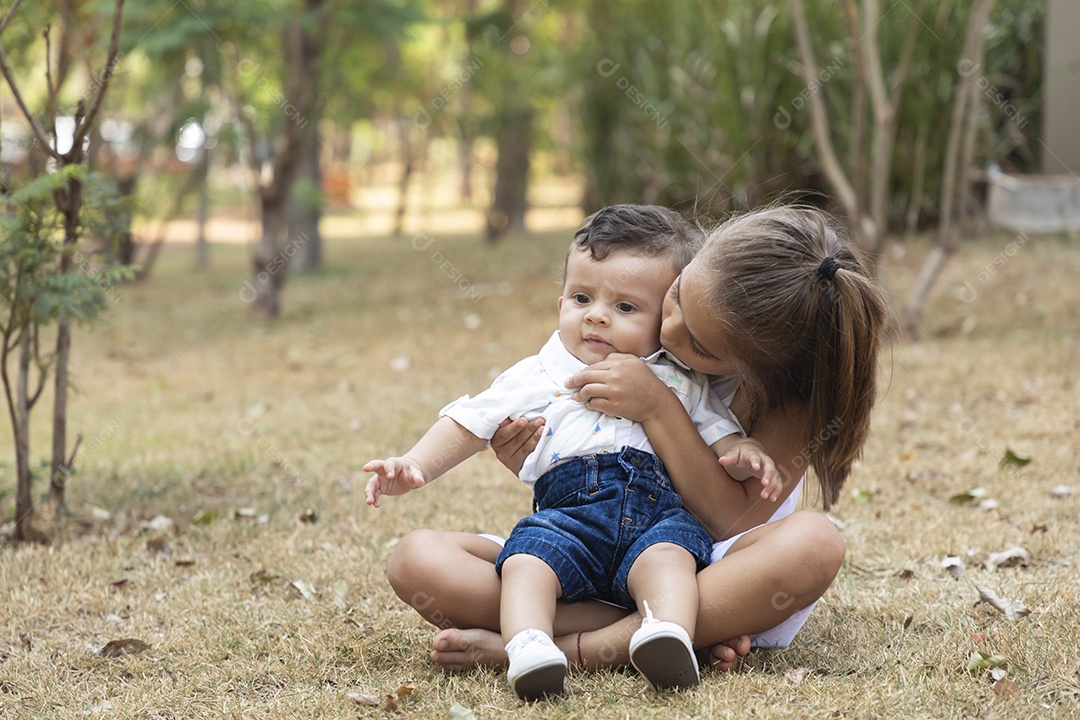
{"points": [[777, 302]]}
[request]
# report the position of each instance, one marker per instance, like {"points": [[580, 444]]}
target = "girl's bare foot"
{"points": [[726, 655], [456, 650]]}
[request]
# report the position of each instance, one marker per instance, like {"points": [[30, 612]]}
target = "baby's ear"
{"points": [[559, 304]]}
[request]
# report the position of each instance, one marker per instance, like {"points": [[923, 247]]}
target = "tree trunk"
{"points": [[202, 211], [955, 182], [20, 418], [275, 249], [508, 206], [124, 249], [306, 206], [466, 124], [465, 151], [70, 205], [271, 259], [405, 141]]}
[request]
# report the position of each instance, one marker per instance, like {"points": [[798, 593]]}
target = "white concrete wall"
{"points": [[1060, 141]]}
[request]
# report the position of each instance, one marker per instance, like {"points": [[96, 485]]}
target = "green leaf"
{"points": [[972, 495], [1013, 459], [861, 496], [205, 517], [984, 661]]}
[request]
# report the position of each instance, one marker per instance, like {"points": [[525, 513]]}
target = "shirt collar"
{"points": [[557, 360], [560, 364], [670, 358]]}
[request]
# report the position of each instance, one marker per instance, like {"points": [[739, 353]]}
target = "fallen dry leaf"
{"points": [[305, 588], [159, 546], [954, 566], [99, 705], [460, 712], [341, 593], [263, 577], [797, 675], [1012, 609], [392, 704], [1013, 554], [160, 523], [124, 646], [365, 700], [1006, 687]]}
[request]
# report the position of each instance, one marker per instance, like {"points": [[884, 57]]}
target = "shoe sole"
{"points": [[541, 682], [665, 663]]}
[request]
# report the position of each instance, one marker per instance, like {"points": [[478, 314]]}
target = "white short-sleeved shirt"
{"points": [[534, 388]]}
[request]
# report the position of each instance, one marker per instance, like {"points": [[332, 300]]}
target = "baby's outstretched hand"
{"points": [[393, 476], [749, 457]]}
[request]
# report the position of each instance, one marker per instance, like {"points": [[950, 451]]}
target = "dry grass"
{"points": [[233, 430]]}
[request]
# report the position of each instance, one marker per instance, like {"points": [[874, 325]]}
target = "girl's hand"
{"points": [[749, 457], [620, 385], [514, 440], [393, 476]]}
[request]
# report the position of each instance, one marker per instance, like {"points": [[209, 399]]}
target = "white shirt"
{"points": [[534, 388]]}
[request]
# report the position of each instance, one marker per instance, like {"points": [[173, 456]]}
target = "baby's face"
{"points": [[613, 305]]}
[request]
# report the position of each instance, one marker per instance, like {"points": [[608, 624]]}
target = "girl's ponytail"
{"points": [[804, 321]]}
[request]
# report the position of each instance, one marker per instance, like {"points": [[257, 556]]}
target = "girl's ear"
{"points": [[560, 302]]}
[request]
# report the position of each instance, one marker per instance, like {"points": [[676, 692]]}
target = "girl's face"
{"points": [[688, 332]]}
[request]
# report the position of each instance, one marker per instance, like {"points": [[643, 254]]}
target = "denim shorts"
{"points": [[596, 514]]}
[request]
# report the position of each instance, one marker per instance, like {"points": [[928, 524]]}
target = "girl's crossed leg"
{"points": [[767, 576]]}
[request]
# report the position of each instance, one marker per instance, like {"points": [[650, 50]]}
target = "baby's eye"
{"points": [[625, 307], [581, 298]]}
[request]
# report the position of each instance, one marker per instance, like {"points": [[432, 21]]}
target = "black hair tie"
{"points": [[828, 267]]}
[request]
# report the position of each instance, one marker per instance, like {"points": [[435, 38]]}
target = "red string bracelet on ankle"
{"points": [[580, 660]]}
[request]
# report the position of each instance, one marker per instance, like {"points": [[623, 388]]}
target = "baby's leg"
{"points": [[665, 576], [529, 591], [663, 582]]}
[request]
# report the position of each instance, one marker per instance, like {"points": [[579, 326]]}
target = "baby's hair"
{"points": [[803, 320], [645, 230]]}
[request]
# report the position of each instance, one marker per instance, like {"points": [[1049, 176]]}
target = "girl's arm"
{"points": [[623, 385], [445, 445]]}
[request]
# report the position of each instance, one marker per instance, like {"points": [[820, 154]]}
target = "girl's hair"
{"points": [[644, 230], [802, 320]]}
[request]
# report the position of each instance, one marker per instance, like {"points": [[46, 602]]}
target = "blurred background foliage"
{"points": [[694, 104]]}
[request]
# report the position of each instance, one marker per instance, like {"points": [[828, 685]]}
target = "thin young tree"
{"points": [[868, 164], [69, 202], [956, 180]]}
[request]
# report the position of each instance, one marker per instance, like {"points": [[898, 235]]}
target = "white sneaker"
{"points": [[537, 666], [664, 654]]}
